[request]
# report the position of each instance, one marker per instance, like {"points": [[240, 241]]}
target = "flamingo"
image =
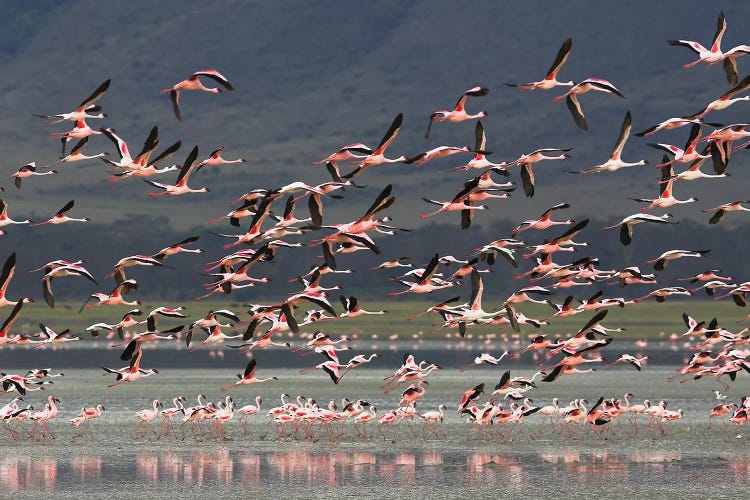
{"points": [[76, 154], [8, 324], [352, 309], [694, 172], [248, 410], [193, 82], [550, 80], [458, 114], [127, 321], [636, 361], [145, 417], [80, 131], [439, 152], [180, 187], [714, 54], [665, 200], [726, 99], [82, 111], [176, 248], [132, 372], [544, 221], [28, 170], [582, 87], [425, 283], [62, 216], [527, 160], [480, 159], [356, 151], [215, 159], [248, 377], [42, 417], [377, 157], [689, 154], [114, 298], [61, 271], [413, 393], [661, 261], [626, 224], [9, 269], [215, 336], [721, 210], [52, 337], [615, 162], [129, 163], [669, 124]]}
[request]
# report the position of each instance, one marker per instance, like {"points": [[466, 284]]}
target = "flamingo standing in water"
{"points": [[193, 82], [145, 417], [458, 114], [550, 80], [42, 417]]}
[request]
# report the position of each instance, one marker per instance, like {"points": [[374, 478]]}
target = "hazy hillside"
{"points": [[312, 76]]}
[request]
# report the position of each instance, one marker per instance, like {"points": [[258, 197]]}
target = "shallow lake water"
{"points": [[689, 460]]}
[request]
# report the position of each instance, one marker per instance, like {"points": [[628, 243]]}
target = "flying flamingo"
{"points": [[458, 114], [80, 131], [82, 111], [480, 159], [178, 247], [626, 224], [550, 80], [615, 162], [582, 87], [527, 160], [413, 393], [133, 372], [62, 217], [61, 271], [544, 221], [215, 159], [248, 377], [721, 210], [726, 99], [180, 187], [714, 54], [377, 157], [194, 83], [114, 298], [28, 170], [9, 268]]}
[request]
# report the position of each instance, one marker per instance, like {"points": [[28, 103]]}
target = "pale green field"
{"points": [[648, 319]]}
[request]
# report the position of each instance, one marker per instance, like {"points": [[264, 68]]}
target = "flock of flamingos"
{"points": [[274, 230]]}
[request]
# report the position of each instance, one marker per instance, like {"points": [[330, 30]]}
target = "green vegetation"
{"points": [[645, 320]]}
